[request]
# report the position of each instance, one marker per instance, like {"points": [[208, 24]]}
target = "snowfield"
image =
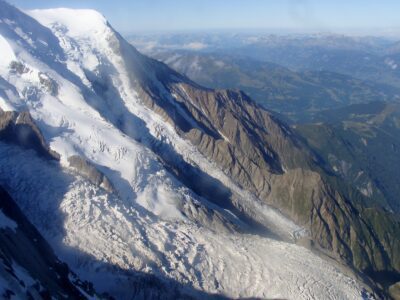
{"points": [[154, 224], [93, 232]]}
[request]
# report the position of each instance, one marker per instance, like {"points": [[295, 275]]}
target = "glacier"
{"points": [[72, 71]]}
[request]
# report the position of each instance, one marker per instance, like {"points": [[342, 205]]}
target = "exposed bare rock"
{"points": [[49, 84], [394, 291], [20, 129], [263, 155], [38, 275], [18, 67], [89, 171]]}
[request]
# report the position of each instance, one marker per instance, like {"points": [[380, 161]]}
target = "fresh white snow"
{"points": [[93, 231], [7, 54], [143, 228]]}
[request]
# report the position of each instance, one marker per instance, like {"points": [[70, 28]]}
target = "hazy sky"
{"points": [[150, 15]]}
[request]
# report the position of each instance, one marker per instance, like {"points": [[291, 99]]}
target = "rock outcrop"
{"points": [[20, 129], [265, 156], [28, 267], [86, 169]]}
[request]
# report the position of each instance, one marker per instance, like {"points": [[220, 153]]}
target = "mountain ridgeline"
{"points": [[297, 95], [268, 158], [160, 185]]}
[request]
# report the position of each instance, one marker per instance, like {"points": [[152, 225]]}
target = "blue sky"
{"points": [[154, 15]]}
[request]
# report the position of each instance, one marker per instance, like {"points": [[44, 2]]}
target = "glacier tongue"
{"points": [[106, 240], [85, 102]]}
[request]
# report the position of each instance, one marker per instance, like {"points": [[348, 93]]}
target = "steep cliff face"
{"points": [[20, 129], [89, 171], [29, 268], [192, 172], [266, 157]]}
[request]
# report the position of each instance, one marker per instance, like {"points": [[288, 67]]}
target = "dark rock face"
{"points": [[23, 250], [18, 67], [263, 155], [90, 172], [20, 129], [49, 84]]}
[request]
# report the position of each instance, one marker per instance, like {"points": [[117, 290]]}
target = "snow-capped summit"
{"points": [[157, 176], [79, 23]]}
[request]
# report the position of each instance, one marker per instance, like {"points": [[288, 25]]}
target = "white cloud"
{"points": [[195, 46]]}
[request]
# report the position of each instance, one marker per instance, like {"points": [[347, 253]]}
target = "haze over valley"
{"points": [[197, 164]]}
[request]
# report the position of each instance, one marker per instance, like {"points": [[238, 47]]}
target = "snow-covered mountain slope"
{"points": [[106, 240], [83, 86], [39, 274]]}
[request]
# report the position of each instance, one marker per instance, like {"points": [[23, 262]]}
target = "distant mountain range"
{"points": [[297, 94], [341, 94], [367, 58], [122, 178]]}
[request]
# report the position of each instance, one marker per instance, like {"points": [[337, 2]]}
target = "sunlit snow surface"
{"points": [[142, 229]]}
